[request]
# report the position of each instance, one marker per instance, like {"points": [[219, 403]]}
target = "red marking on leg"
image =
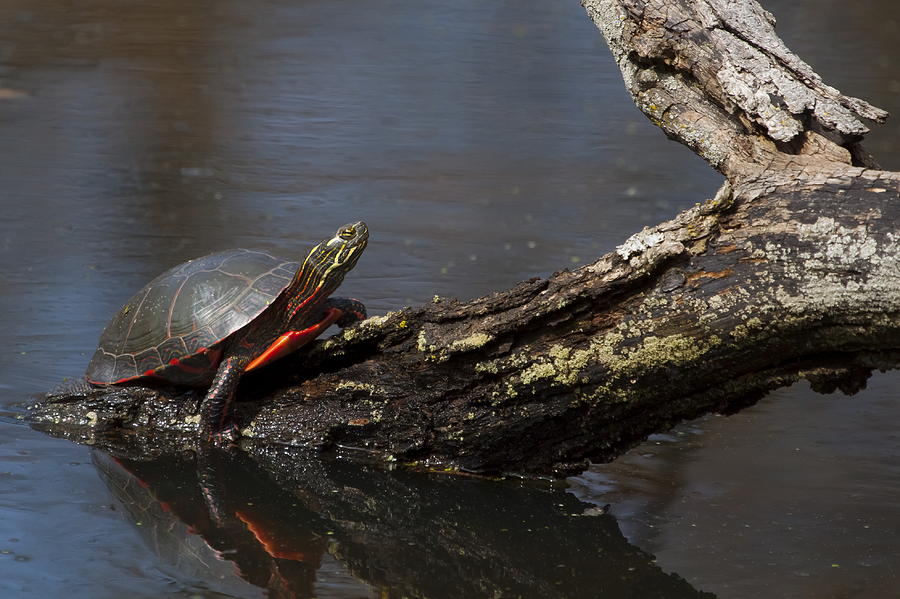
{"points": [[224, 437], [225, 434], [292, 340], [267, 538]]}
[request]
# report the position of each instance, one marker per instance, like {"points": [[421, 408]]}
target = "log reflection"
{"points": [[272, 517]]}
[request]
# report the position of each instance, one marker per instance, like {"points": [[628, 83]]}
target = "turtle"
{"points": [[209, 320]]}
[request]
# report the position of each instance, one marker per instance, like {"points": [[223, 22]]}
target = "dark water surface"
{"points": [[484, 142]]}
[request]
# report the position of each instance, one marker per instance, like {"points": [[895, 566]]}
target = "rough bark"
{"points": [[790, 272]]}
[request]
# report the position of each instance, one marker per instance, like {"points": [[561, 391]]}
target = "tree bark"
{"points": [[790, 272]]}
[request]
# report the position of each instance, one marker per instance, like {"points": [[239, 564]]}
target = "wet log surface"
{"points": [[790, 272]]}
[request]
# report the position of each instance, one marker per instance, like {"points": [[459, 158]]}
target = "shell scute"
{"points": [[147, 360], [172, 348], [198, 340], [125, 367], [270, 284], [205, 298], [253, 302]]}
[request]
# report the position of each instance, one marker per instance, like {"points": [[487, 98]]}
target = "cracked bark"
{"points": [[790, 272]]}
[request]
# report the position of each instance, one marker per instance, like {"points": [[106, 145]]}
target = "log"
{"points": [[790, 272]]}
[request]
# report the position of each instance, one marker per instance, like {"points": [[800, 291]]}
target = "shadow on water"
{"points": [[280, 519]]}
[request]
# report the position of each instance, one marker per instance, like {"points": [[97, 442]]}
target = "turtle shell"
{"points": [[173, 328]]}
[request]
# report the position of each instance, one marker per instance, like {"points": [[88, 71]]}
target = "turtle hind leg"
{"points": [[216, 423], [351, 310]]}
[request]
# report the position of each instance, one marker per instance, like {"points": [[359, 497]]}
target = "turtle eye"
{"points": [[347, 232]]}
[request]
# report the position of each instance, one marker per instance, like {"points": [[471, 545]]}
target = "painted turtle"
{"points": [[209, 320]]}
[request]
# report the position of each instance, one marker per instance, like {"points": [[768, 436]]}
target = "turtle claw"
{"points": [[351, 310], [225, 437]]}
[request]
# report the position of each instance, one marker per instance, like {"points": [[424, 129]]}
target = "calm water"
{"points": [[484, 143]]}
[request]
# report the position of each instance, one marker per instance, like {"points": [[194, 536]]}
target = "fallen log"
{"points": [[790, 272]]}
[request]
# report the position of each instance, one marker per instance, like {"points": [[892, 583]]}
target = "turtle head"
{"points": [[329, 261]]}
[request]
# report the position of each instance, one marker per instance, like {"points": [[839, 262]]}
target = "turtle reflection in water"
{"points": [[221, 536], [209, 320]]}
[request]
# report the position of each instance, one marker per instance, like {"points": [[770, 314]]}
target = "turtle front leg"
{"points": [[216, 424], [347, 311]]}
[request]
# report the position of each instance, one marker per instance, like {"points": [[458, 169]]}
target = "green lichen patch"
{"points": [[471, 342], [375, 321], [354, 386], [422, 343], [561, 365], [673, 350], [365, 329], [620, 357]]}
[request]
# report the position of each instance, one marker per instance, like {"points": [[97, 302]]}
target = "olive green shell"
{"points": [[172, 328]]}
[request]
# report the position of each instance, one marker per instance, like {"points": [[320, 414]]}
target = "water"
{"points": [[483, 143]]}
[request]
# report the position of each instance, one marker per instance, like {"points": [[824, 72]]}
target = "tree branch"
{"points": [[714, 75]]}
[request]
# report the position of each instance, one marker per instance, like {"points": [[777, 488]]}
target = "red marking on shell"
{"points": [[173, 362], [128, 379], [192, 369], [148, 372]]}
